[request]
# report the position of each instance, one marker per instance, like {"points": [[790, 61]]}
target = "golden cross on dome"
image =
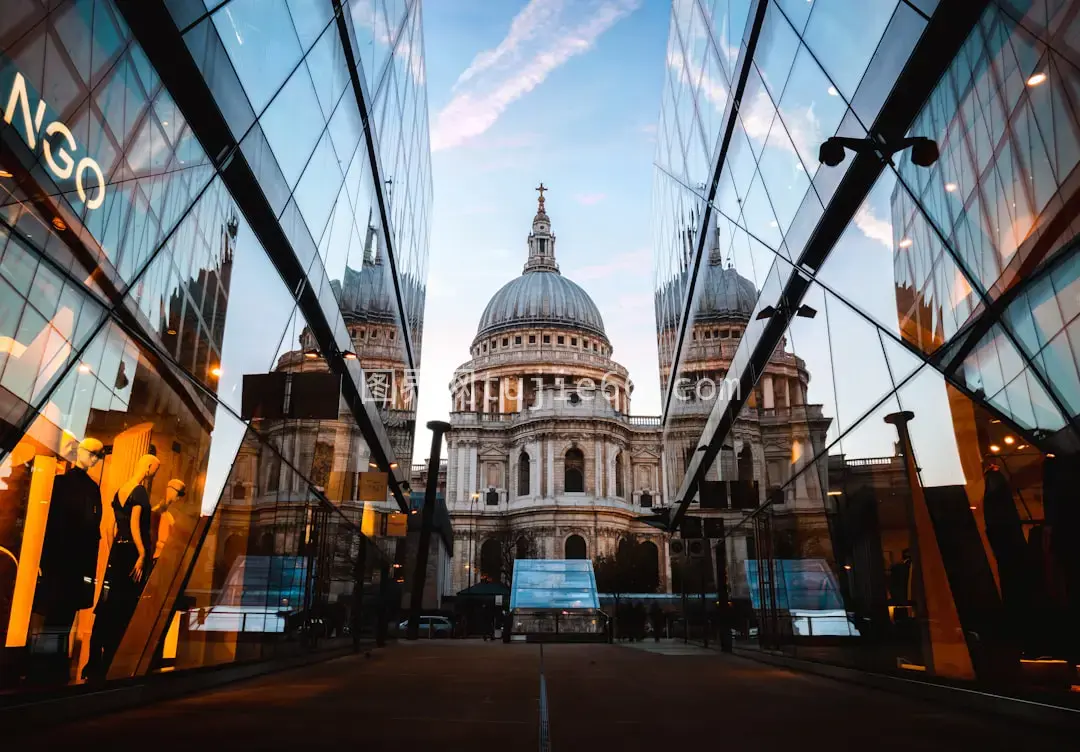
{"points": [[541, 189]]}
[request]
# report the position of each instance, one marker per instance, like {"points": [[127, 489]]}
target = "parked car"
{"points": [[431, 626]]}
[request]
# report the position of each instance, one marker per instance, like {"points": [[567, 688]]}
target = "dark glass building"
{"points": [[213, 243], [922, 516]]}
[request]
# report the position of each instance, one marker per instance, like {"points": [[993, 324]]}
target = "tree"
{"points": [[633, 568], [506, 543]]}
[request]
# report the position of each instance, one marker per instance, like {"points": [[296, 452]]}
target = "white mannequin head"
{"points": [[173, 492], [89, 453], [146, 468]]}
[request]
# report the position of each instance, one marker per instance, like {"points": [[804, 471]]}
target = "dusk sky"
{"points": [[563, 92]]}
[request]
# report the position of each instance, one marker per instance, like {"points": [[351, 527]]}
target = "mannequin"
{"points": [[125, 574], [70, 550], [166, 522]]}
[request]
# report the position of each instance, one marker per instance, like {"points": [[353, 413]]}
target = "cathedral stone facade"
{"points": [[545, 459]]}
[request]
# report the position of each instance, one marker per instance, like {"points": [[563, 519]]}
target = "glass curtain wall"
{"points": [[912, 438], [180, 463]]}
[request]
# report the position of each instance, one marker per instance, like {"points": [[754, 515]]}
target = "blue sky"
{"points": [[561, 91]]}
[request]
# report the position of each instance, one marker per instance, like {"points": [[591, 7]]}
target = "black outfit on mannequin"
{"points": [[1006, 537], [69, 552], [117, 604]]}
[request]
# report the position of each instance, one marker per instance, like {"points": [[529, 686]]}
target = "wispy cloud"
{"points": [[638, 261], [540, 40], [534, 18], [874, 227], [589, 199]]}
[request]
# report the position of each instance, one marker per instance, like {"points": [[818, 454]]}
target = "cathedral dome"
{"points": [[726, 294], [541, 298]]}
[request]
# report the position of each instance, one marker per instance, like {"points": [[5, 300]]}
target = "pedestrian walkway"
{"points": [[449, 695], [667, 647]]}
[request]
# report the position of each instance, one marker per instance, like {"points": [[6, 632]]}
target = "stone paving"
{"points": [[473, 695]]}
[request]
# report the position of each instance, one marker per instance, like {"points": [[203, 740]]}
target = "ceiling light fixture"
{"points": [[951, 187], [905, 243], [215, 371], [833, 92], [171, 332], [995, 448], [5, 174], [1036, 79], [311, 354], [1010, 440], [84, 368], [59, 224], [348, 355]]}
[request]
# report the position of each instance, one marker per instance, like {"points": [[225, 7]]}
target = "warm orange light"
{"points": [[905, 243], [84, 368], [951, 187], [995, 448], [5, 174], [847, 567], [215, 371], [171, 332], [1050, 455], [1010, 440], [59, 224], [836, 493], [1036, 79], [995, 420], [393, 466], [311, 354]]}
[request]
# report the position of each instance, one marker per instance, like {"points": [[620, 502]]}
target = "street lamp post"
{"points": [[427, 519]]}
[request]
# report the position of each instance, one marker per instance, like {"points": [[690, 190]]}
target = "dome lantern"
{"points": [[541, 240]]}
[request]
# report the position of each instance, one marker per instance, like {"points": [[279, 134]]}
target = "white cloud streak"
{"points": [[501, 76], [527, 24], [874, 227]]}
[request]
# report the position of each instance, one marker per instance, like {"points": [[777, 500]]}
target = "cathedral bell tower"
{"points": [[541, 241]]}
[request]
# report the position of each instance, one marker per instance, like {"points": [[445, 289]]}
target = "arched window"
{"points": [[524, 548], [491, 561], [574, 472], [575, 548], [619, 476], [524, 478]]}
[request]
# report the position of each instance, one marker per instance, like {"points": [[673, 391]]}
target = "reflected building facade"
{"points": [[932, 306], [213, 241]]}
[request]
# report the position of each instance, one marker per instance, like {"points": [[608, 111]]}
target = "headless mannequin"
{"points": [[126, 572]]}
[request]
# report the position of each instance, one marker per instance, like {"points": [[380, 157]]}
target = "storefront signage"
{"points": [[58, 151]]}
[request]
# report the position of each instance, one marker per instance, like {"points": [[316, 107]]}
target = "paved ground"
{"points": [[470, 695]]}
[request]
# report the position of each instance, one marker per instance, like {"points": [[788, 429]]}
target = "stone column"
{"points": [[612, 450], [521, 394], [598, 479], [474, 475], [767, 390], [459, 472], [487, 395], [550, 466], [787, 392], [534, 468]]}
